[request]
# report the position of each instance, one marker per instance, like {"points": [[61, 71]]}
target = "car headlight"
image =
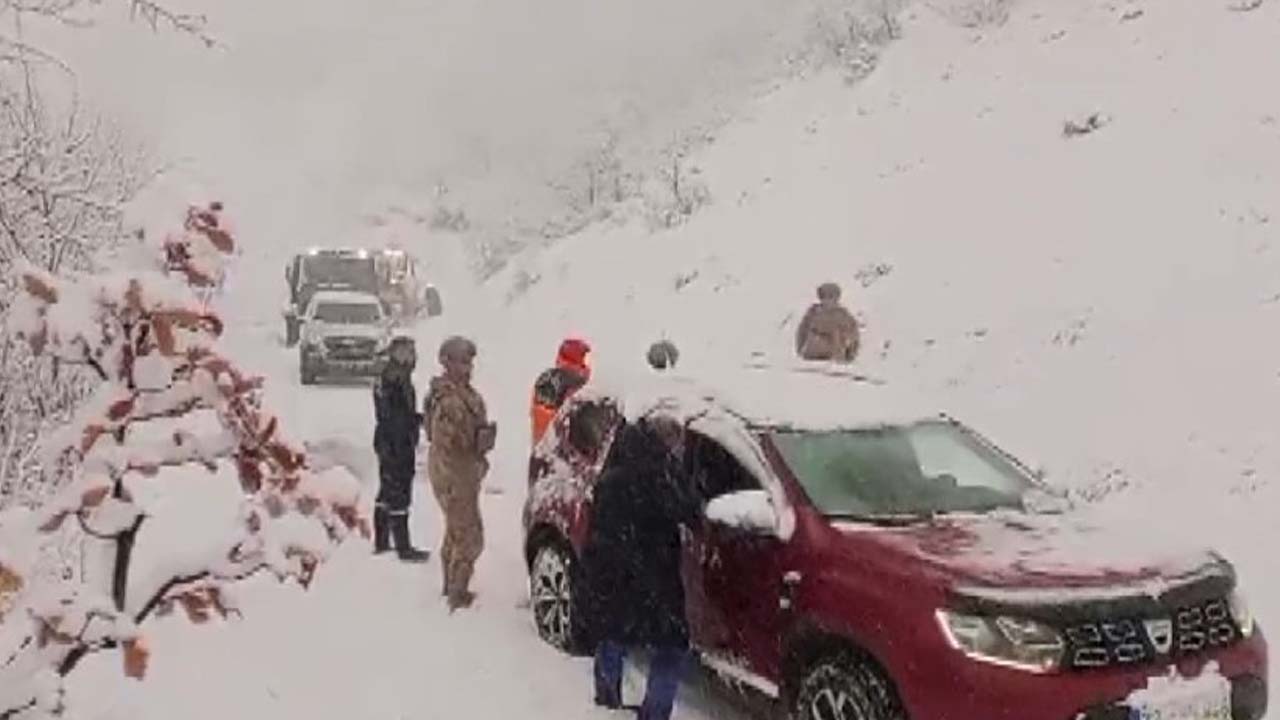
{"points": [[1011, 642], [1241, 613]]}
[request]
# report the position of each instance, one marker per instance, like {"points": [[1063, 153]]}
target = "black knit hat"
{"points": [[662, 355]]}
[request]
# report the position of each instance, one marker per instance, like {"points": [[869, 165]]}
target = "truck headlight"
{"points": [[1011, 642], [313, 342], [1241, 613]]}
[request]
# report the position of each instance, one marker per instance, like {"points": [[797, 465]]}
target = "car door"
{"points": [[733, 578]]}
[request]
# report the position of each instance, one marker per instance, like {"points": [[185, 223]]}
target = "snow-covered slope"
{"points": [[1104, 304]]}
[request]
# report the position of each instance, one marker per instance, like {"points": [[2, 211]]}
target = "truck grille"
{"points": [[343, 348], [1187, 631]]}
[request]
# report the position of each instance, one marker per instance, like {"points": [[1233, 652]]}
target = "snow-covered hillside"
{"points": [[1104, 304]]}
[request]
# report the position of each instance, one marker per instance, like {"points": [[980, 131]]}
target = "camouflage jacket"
{"points": [[456, 420], [827, 332]]}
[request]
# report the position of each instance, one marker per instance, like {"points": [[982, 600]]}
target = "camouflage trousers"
{"points": [[463, 532]]}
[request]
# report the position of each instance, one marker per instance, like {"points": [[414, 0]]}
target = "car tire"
{"points": [[307, 372], [555, 598], [846, 686]]}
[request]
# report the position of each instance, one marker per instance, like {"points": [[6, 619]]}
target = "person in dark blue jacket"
{"points": [[395, 440], [635, 594]]}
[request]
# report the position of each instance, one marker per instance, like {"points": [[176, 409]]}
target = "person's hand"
{"points": [[486, 437]]}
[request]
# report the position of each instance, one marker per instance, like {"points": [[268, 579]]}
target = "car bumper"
{"points": [[345, 366], [957, 688]]}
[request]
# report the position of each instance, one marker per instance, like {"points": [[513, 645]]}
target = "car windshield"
{"points": [[347, 271], [911, 471], [348, 313]]}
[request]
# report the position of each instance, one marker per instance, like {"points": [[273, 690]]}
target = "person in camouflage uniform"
{"points": [[459, 436], [828, 331], [395, 440]]}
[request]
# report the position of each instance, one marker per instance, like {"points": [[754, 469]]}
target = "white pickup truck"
{"points": [[344, 333]]}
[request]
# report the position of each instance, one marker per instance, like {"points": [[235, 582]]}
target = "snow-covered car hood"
{"points": [[1014, 553], [325, 330]]}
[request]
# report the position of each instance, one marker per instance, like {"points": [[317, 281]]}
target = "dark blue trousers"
{"points": [[666, 668]]}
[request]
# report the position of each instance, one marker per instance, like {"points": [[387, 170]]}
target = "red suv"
{"points": [[875, 564]]}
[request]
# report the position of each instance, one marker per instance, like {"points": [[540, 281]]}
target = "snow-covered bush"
{"points": [[167, 402], [851, 33]]}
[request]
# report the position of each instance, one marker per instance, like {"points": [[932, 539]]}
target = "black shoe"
{"points": [[609, 700], [381, 532], [400, 537]]}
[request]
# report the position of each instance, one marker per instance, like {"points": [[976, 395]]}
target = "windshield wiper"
{"points": [[885, 519]]}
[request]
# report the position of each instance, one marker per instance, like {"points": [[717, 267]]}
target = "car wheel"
{"points": [[846, 687], [554, 598], [308, 373]]}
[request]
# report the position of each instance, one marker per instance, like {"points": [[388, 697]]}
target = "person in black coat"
{"points": [[631, 563], [395, 440]]}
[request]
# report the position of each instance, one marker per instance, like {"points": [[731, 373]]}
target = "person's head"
{"points": [[572, 355], [403, 354], [829, 293], [668, 430], [457, 357], [662, 355]]}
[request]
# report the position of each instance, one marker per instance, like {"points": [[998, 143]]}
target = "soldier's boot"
{"points": [[461, 600], [460, 595], [381, 531], [400, 536]]}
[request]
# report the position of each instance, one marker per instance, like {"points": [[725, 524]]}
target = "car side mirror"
{"points": [[749, 511]]}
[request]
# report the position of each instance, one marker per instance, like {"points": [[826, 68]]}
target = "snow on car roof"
{"points": [[347, 297], [800, 396]]}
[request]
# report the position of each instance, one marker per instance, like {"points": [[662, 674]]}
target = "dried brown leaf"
{"points": [[39, 289], [120, 409], [165, 340], [136, 657], [94, 496], [197, 607]]}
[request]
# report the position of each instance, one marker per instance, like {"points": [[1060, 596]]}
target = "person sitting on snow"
{"points": [[828, 331], [556, 384]]}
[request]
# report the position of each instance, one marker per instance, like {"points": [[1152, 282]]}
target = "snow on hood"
{"points": [[1020, 556]]}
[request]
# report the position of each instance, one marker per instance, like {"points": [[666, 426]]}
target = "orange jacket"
{"points": [[550, 391]]}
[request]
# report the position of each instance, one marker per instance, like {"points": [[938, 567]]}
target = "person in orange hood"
{"points": [[556, 384]]}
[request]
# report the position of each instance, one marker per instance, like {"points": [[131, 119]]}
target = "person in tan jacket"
{"points": [[459, 437], [828, 331]]}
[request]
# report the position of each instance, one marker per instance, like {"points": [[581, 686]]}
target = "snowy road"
{"points": [[373, 638]]}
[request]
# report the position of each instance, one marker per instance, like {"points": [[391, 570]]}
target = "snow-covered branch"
{"points": [[155, 345], [16, 14]]}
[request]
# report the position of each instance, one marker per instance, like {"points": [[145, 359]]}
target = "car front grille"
{"points": [[342, 348], [1188, 630]]}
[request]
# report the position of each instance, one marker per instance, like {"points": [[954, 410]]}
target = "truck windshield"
{"points": [[348, 313], [339, 271], [922, 469]]}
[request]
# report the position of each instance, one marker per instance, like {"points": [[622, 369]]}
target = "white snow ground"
{"points": [[1104, 304]]}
